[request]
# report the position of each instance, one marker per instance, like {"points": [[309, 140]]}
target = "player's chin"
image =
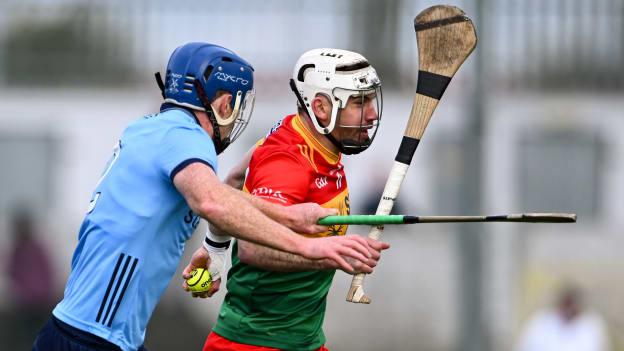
{"points": [[358, 138], [361, 140]]}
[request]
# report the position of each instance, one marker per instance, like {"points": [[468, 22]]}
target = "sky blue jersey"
{"points": [[133, 235]]}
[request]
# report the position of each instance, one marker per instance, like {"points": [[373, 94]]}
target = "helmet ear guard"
{"points": [[224, 121]]}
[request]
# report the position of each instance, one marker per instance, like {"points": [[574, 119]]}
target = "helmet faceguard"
{"points": [[365, 130], [339, 75], [196, 73]]}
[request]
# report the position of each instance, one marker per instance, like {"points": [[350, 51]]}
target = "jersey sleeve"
{"points": [[182, 146], [280, 178]]}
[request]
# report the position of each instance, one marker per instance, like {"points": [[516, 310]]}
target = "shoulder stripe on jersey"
{"points": [[185, 163], [300, 127], [110, 284], [123, 291], [306, 152]]}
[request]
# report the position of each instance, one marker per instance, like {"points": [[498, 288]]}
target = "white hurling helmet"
{"points": [[338, 74]]}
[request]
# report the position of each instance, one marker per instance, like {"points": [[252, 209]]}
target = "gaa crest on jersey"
{"points": [[320, 182]]}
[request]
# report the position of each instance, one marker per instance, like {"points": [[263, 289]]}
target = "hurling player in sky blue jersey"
{"points": [[160, 180]]}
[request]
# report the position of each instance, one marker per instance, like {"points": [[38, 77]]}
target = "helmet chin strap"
{"points": [[220, 145], [348, 147], [337, 144]]}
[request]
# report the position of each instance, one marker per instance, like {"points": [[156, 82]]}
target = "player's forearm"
{"points": [[278, 261], [227, 209], [236, 215], [276, 212]]}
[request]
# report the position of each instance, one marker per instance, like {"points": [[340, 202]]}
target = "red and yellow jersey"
{"points": [[279, 309], [290, 167]]}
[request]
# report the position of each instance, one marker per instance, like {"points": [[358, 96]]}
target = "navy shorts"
{"points": [[59, 336]]}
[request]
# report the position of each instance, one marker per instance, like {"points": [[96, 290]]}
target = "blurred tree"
{"points": [[565, 45], [75, 48]]}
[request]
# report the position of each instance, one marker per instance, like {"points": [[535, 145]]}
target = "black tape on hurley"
{"points": [[440, 23], [406, 150], [431, 84]]}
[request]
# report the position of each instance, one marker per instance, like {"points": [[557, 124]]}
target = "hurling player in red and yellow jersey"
{"points": [[276, 300]]}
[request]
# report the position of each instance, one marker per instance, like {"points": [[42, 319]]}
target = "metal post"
{"points": [[473, 334], [374, 30]]}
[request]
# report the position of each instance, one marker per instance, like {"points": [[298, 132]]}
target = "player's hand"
{"points": [[200, 259], [364, 267], [216, 284], [305, 216], [340, 248], [368, 266]]}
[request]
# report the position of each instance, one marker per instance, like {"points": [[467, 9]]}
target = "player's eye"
{"points": [[357, 100]]}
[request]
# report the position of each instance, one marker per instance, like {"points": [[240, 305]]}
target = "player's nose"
{"points": [[370, 113]]}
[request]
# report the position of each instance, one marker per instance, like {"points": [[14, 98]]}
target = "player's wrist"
{"points": [[216, 242], [281, 214], [305, 247], [216, 245], [289, 217], [327, 264]]}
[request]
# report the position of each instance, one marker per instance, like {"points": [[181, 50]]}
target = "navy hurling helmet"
{"points": [[196, 72]]}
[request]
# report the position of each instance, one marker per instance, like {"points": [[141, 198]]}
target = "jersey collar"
{"points": [[302, 128], [169, 106]]}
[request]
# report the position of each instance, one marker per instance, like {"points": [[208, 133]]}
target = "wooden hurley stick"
{"points": [[445, 37]]}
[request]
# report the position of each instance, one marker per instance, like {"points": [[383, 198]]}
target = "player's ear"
{"points": [[226, 105], [322, 107], [223, 104]]}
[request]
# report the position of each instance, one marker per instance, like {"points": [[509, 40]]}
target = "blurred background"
{"points": [[531, 122]]}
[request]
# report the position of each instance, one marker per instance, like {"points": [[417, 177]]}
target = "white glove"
{"points": [[217, 246]]}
